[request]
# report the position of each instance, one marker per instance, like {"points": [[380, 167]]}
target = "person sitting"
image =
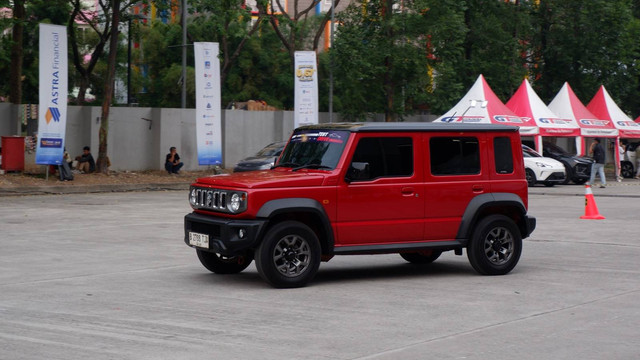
{"points": [[86, 164], [173, 164]]}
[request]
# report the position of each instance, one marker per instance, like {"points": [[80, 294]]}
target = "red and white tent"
{"points": [[567, 105], [528, 105], [603, 106], [481, 105]]}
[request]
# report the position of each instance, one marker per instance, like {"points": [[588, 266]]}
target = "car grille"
{"points": [[556, 176], [211, 199]]}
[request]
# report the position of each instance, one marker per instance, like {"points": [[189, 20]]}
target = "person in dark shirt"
{"points": [[86, 163], [598, 154], [173, 164]]}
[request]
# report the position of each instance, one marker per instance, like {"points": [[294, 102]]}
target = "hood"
{"points": [[546, 161], [265, 179], [257, 160]]}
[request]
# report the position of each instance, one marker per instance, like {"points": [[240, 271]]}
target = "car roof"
{"points": [[408, 126]]}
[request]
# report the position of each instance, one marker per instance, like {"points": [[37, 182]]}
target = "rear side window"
{"points": [[386, 156], [454, 156], [503, 155]]}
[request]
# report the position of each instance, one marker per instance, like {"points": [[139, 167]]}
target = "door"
{"points": [[385, 204]]}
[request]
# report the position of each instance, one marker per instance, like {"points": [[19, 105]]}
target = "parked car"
{"points": [[628, 164], [263, 160], [539, 169], [415, 189], [577, 168]]}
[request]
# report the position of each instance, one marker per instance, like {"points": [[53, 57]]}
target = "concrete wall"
{"points": [[140, 138]]}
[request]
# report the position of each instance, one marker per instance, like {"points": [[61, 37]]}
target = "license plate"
{"points": [[199, 240]]}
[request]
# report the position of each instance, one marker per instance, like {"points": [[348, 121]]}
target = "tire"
{"points": [[496, 245], [548, 184], [421, 257], [219, 264], [626, 170], [289, 255], [531, 177], [579, 181], [568, 172]]}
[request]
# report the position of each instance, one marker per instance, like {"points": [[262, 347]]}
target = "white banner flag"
{"points": [[208, 112], [52, 114], [306, 89]]}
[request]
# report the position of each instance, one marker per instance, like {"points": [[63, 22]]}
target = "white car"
{"points": [[541, 169]]}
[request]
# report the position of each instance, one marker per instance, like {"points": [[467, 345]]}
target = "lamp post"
{"points": [[473, 104], [184, 54]]}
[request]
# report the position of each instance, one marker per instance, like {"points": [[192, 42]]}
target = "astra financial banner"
{"points": [[208, 112], [52, 117], [306, 89]]}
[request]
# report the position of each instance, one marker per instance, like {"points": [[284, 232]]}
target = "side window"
{"points": [[454, 156], [386, 156], [503, 155]]}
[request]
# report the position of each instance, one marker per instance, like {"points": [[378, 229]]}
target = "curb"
{"points": [[84, 189]]}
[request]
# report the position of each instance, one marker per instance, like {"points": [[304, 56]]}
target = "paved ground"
{"points": [[73, 286]]}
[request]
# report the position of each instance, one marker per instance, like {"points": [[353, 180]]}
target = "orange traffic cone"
{"points": [[590, 208]]}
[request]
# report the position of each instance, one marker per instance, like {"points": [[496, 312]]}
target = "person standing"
{"points": [[597, 152], [173, 164]]}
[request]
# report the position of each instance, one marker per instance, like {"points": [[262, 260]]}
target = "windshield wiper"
{"points": [[311, 166], [286, 164]]}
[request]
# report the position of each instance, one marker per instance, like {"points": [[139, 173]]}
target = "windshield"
{"points": [[271, 150], [554, 149], [314, 148], [529, 152]]}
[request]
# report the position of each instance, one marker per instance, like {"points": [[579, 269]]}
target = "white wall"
{"points": [[140, 138]]}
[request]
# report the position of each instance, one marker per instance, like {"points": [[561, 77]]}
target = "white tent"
{"points": [[481, 105]]}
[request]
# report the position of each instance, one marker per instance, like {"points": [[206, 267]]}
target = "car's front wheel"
{"points": [[496, 245], [289, 255], [220, 264]]}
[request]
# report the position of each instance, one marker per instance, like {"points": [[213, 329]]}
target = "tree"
{"points": [[15, 75], [392, 59], [227, 22], [587, 44], [294, 28]]}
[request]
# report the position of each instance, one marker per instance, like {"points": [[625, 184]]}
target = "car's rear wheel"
{"points": [[496, 245], [421, 257], [220, 264], [531, 177], [289, 255]]}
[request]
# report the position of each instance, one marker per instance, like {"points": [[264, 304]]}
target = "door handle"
{"points": [[407, 191], [477, 188]]}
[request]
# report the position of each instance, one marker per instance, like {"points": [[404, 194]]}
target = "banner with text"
{"points": [[306, 89], [208, 111], [52, 117]]}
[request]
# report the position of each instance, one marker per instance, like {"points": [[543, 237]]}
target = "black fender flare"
{"points": [[475, 206], [274, 208]]}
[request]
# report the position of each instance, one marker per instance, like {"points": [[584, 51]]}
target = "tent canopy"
{"points": [[603, 106], [567, 105], [482, 105], [528, 105]]}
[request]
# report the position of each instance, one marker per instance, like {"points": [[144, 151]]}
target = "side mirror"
{"points": [[358, 171]]}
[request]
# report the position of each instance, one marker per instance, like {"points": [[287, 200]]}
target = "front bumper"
{"points": [[224, 234], [555, 177]]}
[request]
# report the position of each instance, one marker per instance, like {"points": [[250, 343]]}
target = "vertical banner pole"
{"points": [[306, 89], [53, 85], [208, 100]]}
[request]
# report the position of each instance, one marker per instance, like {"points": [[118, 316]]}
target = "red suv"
{"points": [[416, 189]]}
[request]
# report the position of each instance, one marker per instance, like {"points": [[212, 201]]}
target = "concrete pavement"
{"points": [[107, 276]]}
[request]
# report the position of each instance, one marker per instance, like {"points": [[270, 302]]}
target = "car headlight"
{"points": [[238, 202], [542, 165], [266, 166]]}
